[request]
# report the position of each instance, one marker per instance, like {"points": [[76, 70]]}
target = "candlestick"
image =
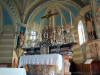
{"points": [[61, 21], [26, 37], [40, 26], [71, 18], [34, 24], [14, 60], [54, 28]]}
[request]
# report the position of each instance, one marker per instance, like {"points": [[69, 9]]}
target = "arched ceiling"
{"points": [[38, 3], [32, 10], [62, 7]]}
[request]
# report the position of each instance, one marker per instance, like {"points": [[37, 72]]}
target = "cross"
{"points": [[48, 16], [49, 31]]}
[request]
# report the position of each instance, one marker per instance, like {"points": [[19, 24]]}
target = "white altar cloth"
{"points": [[47, 59], [12, 71]]}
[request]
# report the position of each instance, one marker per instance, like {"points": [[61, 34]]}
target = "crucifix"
{"points": [[48, 16], [50, 29]]}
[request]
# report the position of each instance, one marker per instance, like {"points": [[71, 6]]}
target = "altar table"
{"points": [[12, 71], [47, 59]]}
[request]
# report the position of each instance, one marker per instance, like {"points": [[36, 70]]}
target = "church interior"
{"points": [[49, 37]]}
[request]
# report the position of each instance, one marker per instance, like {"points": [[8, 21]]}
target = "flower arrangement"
{"points": [[58, 46]]}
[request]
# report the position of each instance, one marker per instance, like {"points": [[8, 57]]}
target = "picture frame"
{"points": [[44, 49]]}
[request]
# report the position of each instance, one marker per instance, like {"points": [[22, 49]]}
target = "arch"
{"points": [[30, 8], [35, 12]]}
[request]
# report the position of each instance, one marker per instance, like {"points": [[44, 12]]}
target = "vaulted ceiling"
{"points": [[29, 11]]}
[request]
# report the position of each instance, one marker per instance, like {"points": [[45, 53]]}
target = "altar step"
{"points": [[6, 45]]}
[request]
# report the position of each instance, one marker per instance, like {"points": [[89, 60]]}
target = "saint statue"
{"points": [[44, 33], [21, 38], [66, 65], [90, 27]]}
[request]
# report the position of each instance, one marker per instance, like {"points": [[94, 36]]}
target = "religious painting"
{"points": [[90, 25], [44, 49]]}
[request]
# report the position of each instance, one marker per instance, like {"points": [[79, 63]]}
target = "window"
{"points": [[81, 32], [32, 38], [32, 35]]}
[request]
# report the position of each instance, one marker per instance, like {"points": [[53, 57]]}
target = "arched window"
{"points": [[32, 35], [81, 32]]}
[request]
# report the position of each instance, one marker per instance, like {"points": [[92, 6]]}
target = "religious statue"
{"points": [[66, 65], [90, 27], [44, 33], [21, 38]]}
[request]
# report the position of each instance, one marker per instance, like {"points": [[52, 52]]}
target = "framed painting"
{"points": [[44, 49]]}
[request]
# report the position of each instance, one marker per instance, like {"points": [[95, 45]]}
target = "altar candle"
{"points": [[71, 18], [14, 60], [40, 26], [34, 24], [61, 21], [54, 27], [53, 20]]}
